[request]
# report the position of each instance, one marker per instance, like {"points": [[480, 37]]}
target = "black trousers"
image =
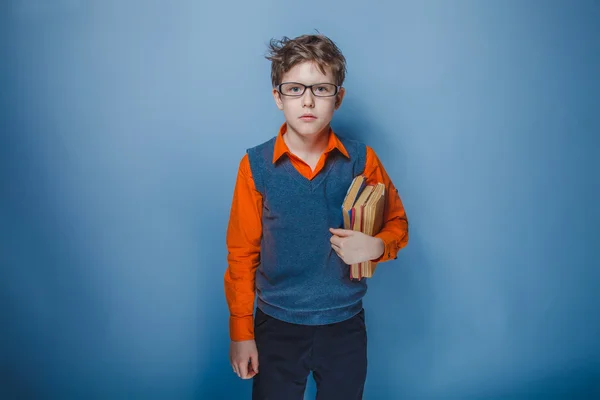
{"points": [[336, 353]]}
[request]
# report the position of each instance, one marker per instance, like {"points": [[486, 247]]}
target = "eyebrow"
{"points": [[318, 83]]}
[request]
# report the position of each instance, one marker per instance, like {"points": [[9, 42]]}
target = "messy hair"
{"points": [[286, 53]]}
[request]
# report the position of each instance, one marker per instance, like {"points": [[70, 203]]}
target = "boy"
{"points": [[285, 243]]}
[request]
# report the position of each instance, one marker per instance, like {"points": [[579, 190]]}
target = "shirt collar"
{"points": [[281, 148]]}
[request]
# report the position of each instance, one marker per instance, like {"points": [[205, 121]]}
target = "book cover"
{"points": [[356, 187], [373, 211], [357, 222]]}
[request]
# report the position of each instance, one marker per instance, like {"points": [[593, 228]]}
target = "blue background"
{"points": [[122, 126]]}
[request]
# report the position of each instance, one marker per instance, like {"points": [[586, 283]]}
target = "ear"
{"points": [[339, 97], [277, 97]]}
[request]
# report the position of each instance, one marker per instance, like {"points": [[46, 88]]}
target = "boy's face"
{"points": [[308, 114]]}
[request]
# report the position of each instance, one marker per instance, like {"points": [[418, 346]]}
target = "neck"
{"points": [[306, 146]]}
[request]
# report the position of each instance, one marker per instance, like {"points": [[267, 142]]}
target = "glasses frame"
{"points": [[337, 89]]}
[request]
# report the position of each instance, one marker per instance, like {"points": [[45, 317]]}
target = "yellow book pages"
{"points": [[373, 222], [377, 209], [358, 207], [351, 195], [371, 208], [357, 211], [355, 271]]}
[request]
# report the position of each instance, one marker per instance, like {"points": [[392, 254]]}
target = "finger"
{"points": [[251, 372], [336, 248], [235, 370], [341, 232], [335, 240], [254, 361], [243, 368]]}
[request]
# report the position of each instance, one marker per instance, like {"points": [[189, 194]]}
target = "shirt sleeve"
{"points": [[244, 233], [394, 232]]}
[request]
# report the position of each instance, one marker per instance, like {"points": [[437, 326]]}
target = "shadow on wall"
{"points": [[355, 121], [399, 300]]}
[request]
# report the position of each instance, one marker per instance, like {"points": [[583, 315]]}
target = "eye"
{"points": [[324, 89], [292, 89]]}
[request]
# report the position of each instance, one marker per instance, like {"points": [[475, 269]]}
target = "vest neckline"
{"points": [[317, 180]]}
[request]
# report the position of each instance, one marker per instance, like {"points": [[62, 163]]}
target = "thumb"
{"points": [[341, 232]]}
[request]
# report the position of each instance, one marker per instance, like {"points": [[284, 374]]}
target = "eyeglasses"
{"points": [[295, 89]]}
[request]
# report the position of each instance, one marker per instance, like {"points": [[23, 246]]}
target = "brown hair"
{"points": [[286, 53]]}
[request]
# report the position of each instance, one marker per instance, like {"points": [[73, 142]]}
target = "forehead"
{"points": [[308, 72]]}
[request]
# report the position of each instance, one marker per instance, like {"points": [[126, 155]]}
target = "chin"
{"points": [[307, 130]]}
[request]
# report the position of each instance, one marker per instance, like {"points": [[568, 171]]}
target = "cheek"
{"points": [[328, 108], [289, 111], [291, 106]]}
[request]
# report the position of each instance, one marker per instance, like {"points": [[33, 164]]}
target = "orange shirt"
{"points": [[244, 232]]}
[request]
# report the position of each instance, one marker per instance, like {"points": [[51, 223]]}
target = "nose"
{"points": [[308, 99]]}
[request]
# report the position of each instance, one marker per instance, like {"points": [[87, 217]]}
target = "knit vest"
{"points": [[300, 279]]}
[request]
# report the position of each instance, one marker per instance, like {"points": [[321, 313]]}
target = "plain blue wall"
{"points": [[122, 127]]}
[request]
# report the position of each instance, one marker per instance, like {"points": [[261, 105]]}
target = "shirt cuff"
{"points": [[241, 328], [390, 247]]}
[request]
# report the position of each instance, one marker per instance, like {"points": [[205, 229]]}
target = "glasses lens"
{"points": [[291, 89], [324, 90]]}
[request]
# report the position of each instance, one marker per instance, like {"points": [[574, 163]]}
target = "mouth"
{"points": [[308, 117]]}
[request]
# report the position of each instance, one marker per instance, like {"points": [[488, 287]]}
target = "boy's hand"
{"points": [[355, 247], [243, 357]]}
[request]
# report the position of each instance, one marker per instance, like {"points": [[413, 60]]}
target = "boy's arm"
{"points": [[244, 234], [394, 232]]}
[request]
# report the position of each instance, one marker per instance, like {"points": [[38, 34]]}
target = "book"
{"points": [[372, 223], [357, 222], [357, 185], [362, 210]]}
